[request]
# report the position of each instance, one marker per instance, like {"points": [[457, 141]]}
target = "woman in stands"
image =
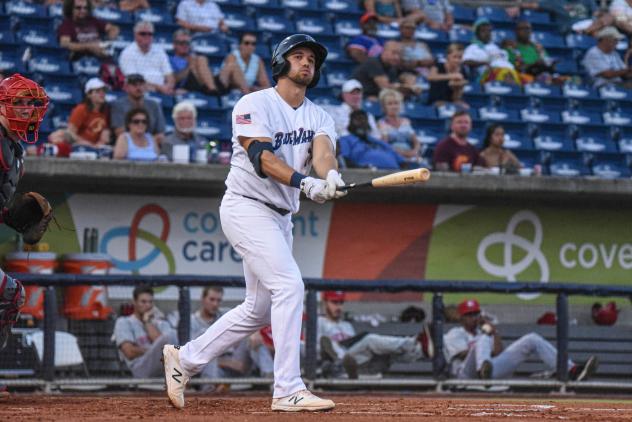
{"points": [[448, 79], [89, 122], [416, 56], [495, 155], [136, 143], [243, 68], [390, 11], [395, 129]]}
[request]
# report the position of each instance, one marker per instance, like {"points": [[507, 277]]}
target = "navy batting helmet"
{"points": [[280, 66]]}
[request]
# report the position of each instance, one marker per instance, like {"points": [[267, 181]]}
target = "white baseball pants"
{"points": [[506, 362], [399, 349], [274, 293]]}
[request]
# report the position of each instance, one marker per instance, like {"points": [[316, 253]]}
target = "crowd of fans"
{"points": [[391, 73]]}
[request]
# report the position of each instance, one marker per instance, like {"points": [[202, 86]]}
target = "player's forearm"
{"points": [[275, 168], [324, 163]]}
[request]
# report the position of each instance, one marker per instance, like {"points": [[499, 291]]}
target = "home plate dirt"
{"points": [[356, 408]]}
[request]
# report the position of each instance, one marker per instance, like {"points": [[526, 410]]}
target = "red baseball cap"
{"points": [[367, 17], [605, 315], [468, 306], [334, 295], [548, 318]]}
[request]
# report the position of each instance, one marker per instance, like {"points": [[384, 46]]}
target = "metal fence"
{"points": [[47, 377]]}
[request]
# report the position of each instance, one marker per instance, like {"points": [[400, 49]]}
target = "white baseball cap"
{"points": [[350, 85], [94, 83]]}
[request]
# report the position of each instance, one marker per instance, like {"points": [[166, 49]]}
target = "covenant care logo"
{"points": [[508, 240]]}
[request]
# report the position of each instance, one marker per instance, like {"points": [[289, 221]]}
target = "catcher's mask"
{"points": [[12, 298], [23, 103]]}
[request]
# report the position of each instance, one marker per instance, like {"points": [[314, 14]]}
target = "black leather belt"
{"points": [[273, 207]]}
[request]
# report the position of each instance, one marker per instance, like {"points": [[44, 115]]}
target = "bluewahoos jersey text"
{"points": [[295, 137]]}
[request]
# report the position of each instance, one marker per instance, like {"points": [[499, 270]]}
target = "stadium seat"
{"points": [[262, 3], [494, 14], [313, 26], [347, 27], [273, 22], [476, 137], [548, 39], [499, 35], [613, 92], [625, 145], [429, 35], [56, 10], [86, 65], [201, 101], [209, 45], [497, 114], [20, 8], [537, 115], [325, 101], [387, 31], [415, 110], [610, 166], [113, 15], [617, 118], [567, 165], [155, 16], [238, 21], [571, 90], [37, 37], [64, 93], [427, 136], [300, 5], [535, 17], [580, 117], [229, 100], [49, 64], [461, 34], [335, 52], [553, 142], [337, 74], [222, 3], [166, 101], [540, 90], [212, 128], [339, 6], [582, 41], [499, 88], [590, 144], [517, 141], [10, 62], [463, 14], [528, 158]]}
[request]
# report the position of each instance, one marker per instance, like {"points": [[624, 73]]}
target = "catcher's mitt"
{"points": [[29, 215]]}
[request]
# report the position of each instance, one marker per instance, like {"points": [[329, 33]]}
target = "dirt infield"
{"points": [[356, 408]]}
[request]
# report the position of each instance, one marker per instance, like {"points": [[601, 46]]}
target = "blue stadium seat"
{"points": [[372, 107], [164, 39], [201, 101], [625, 145], [387, 32], [212, 128], [613, 92], [540, 90], [415, 110], [273, 22], [499, 35], [535, 17], [155, 16], [580, 41], [300, 5], [49, 64], [476, 136], [588, 104], [112, 15], [567, 165], [313, 26], [616, 118], [37, 37], [548, 39], [512, 102], [517, 140], [464, 14], [20, 8], [494, 14], [610, 166], [580, 117], [336, 52], [124, 38], [64, 93], [7, 37], [571, 90], [56, 10], [336, 74], [539, 115], [262, 3], [553, 142], [229, 100], [222, 3], [498, 88], [497, 114], [347, 27], [86, 65], [428, 136], [528, 158], [567, 67], [590, 144], [10, 62], [429, 35], [209, 45], [339, 6], [238, 21], [461, 35], [325, 100], [166, 101]]}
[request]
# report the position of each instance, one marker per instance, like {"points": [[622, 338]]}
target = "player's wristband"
{"points": [[295, 180]]}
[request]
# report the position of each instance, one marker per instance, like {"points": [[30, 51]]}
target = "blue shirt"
{"points": [[372, 152], [372, 46], [178, 64]]}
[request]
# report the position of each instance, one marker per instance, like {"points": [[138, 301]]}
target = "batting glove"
{"points": [[334, 180], [315, 189]]}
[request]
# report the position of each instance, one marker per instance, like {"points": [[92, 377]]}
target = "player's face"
{"points": [[333, 309], [302, 65], [211, 302], [143, 303]]}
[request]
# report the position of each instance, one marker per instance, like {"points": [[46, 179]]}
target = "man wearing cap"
{"points": [[603, 63], [361, 47], [475, 350], [135, 98], [351, 100], [340, 344], [148, 59]]}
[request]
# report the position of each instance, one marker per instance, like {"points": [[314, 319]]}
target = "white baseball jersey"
{"points": [[335, 330], [455, 341], [264, 114]]}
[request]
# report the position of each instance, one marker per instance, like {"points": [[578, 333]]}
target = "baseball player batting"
{"points": [[23, 104], [278, 135]]}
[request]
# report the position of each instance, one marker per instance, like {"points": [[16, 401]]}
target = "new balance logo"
{"points": [[295, 399], [177, 375]]}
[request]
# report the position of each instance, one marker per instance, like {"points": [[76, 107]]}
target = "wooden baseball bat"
{"points": [[399, 178]]}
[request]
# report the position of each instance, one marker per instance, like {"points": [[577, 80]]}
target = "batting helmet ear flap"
{"points": [[280, 66]]}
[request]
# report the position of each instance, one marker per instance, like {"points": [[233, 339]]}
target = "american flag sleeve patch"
{"points": [[243, 119]]}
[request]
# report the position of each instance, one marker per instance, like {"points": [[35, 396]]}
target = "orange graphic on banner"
{"points": [[379, 241]]}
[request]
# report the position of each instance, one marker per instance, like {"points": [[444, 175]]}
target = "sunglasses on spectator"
{"points": [[138, 121], [145, 34], [183, 42], [249, 42]]}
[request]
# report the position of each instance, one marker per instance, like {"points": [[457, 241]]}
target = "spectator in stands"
{"points": [[191, 71], [185, 121], [136, 144], [148, 59], [135, 98], [493, 153], [416, 56], [81, 33], [447, 79], [486, 60], [580, 15], [621, 10], [360, 149], [141, 336], [200, 16], [390, 11], [351, 100], [133, 5], [396, 130], [361, 47], [603, 63], [243, 69], [436, 14], [528, 57], [339, 343], [454, 151], [475, 350], [89, 122], [385, 71]]}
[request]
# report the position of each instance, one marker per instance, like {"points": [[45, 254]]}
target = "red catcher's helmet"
{"points": [[24, 106], [468, 306], [338, 296]]}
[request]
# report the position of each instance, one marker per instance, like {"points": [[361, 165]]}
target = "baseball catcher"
{"points": [[23, 104]]}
